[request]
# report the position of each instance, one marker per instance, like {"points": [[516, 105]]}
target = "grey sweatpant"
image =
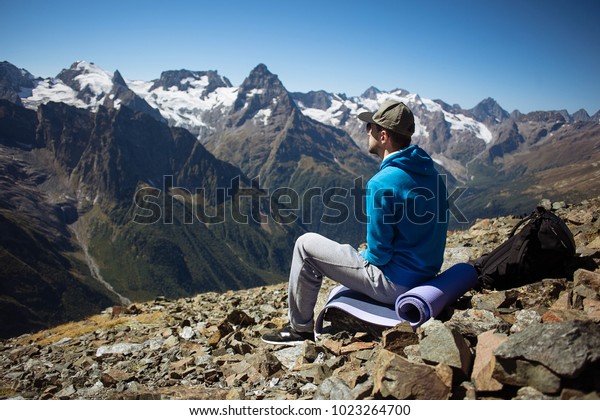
{"points": [[316, 256]]}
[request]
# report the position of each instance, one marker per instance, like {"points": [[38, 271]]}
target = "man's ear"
{"points": [[384, 136]]}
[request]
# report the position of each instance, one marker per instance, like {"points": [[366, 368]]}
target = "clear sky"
{"points": [[527, 55]]}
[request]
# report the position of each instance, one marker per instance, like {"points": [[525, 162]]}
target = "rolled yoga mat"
{"points": [[415, 306], [429, 299]]}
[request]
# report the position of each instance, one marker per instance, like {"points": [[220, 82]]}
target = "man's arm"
{"points": [[380, 224]]}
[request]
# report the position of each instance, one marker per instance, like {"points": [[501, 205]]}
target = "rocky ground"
{"points": [[540, 341]]}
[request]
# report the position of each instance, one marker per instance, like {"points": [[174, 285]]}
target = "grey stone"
{"points": [[333, 389], [396, 377], [289, 356], [472, 322], [119, 348], [529, 393], [526, 373], [566, 348], [440, 344], [525, 318]]}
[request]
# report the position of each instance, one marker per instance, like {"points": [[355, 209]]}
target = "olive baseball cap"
{"points": [[394, 116]]}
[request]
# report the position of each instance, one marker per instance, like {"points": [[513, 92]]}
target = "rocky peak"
{"points": [[118, 79], [90, 82], [262, 91], [12, 81], [318, 100], [489, 111], [184, 79], [370, 93], [581, 115]]}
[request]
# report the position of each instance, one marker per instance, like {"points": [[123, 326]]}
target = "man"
{"points": [[406, 210]]}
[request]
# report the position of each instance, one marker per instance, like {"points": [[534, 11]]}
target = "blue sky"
{"points": [[528, 55]]}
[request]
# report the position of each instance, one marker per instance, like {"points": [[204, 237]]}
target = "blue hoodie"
{"points": [[406, 207]]}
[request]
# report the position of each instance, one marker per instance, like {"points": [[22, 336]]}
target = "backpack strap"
{"points": [[537, 213]]}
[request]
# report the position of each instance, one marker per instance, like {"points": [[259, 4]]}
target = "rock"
{"points": [[397, 338], [472, 322], [119, 348], [529, 393], [66, 393], [187, 333], [484, 364], [489, 300], [240, 318], [566, 348], [440, 344], [526, 373], [289, 356], [265, 362], [453, 256], [524, 319], [396, 377], [351, 375], [362, 390], [313, 372], [586, 284], [333, 389], [561, 310]]}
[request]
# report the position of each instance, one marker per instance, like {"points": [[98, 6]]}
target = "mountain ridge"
{"points": [[101, 151]]}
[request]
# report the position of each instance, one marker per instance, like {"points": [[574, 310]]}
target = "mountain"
{"points": [[470, 146], [504, 163], [194, 100], [112, 206], [13, 81], [271, 140], [85, 85]]}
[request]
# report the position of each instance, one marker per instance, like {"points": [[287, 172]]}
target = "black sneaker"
{"points": [[288, 336]]}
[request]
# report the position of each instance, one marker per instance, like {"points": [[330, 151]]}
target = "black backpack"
{"points": [[537, 251]]}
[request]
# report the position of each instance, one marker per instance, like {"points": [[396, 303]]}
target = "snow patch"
{"points": [[185, 108], [263, 116]]}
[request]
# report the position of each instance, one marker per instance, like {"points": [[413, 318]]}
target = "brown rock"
{"points": [[351, 375], [333, 346], [397, 338], [181, 364], [586, 284], [445, 373], [560, 315], [357, 346], [113, 376], [483, 367], [240, 318]]}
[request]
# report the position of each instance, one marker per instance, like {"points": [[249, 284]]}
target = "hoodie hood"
{"points": [[412, 159]]}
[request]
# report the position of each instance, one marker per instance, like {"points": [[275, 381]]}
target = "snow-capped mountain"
{"points": [[342, 112], [85, 85], [190, 99], [472, 145], [193, 100]]}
